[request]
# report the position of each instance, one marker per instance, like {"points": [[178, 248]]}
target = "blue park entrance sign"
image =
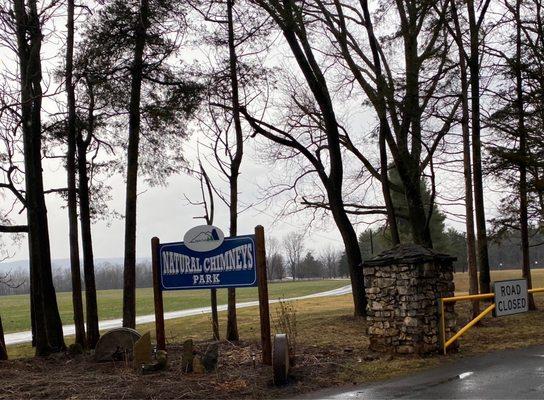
{"points": [[230, 264]]}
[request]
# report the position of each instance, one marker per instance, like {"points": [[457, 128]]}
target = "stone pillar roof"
{"points": [[407, 253]]}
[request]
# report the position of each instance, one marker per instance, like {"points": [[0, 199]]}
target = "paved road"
{"points": [[25, 337], [510, 374]]}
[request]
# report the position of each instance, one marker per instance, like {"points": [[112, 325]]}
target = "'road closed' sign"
{"points": [[510, 297]]}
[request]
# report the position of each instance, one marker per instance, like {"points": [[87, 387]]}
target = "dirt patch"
{"points": [[237, 376]]}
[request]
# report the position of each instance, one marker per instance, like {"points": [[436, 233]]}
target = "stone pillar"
{"points": [[403, 286]]}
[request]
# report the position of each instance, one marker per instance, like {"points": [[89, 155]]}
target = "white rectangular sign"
{"points": [[510, 297]]}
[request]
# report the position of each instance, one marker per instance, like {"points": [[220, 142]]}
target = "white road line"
{"points": [[25, 337]]}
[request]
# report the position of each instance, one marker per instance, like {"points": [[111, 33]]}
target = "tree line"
{"points": [[291, 259], [107, 276], [376, 108]]}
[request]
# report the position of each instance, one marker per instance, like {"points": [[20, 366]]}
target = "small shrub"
{"points": [[284, 320]]}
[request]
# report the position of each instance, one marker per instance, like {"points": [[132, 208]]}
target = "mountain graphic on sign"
{"points": [[205, 237]]}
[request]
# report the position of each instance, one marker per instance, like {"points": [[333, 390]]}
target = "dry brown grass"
{"points": [[461, 279]]}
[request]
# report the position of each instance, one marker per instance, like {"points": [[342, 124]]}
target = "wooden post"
{"points": [[157, 295], [264, 309]]}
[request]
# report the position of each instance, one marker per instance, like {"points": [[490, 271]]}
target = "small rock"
{"points": [[75, 349], [211, 356], [142, 351], [198, 366], [187, 356]]}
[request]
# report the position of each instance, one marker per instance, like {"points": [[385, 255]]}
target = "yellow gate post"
{"points": [[442, 327]]}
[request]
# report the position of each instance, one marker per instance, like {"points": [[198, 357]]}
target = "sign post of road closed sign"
{"points": [[511, 297]]}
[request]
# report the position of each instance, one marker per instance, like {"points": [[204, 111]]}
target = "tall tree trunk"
{"points": [[353, 251], [32, 316], [91, 305], [522, 132], [408, 170], [386, 190], [481, 232], [77, 300], [47, 323], [232, 324], [129, 278], [467, 167], [3, 349]]}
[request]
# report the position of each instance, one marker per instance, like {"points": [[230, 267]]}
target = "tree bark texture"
{"points": [[481, 232], [48, 332], [3, 350], [232, 323], [129, 284], [467, 166], [91, 305], [522, 132], [77, 300]]}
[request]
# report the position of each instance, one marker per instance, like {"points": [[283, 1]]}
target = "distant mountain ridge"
{"points": [[64, 263]]}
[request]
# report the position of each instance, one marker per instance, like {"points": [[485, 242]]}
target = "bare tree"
{"points": [[234, 29], [414, 107], [326, 143], [330, 258], [274, 259], [207, 202], [293, 243]]}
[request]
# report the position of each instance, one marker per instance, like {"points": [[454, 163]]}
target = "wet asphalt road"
{"points": [[510, 374]]}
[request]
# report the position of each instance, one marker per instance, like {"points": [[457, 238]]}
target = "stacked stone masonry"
{"points": [[403, 286]]}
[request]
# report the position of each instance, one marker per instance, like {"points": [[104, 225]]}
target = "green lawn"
{"points": [[16, 317]]}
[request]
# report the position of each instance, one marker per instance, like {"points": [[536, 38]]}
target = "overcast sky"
{"points": [[164, 211]]}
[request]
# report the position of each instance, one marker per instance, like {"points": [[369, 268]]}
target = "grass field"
{"points": [[461, 279], [322, 312], [15, 309]]}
